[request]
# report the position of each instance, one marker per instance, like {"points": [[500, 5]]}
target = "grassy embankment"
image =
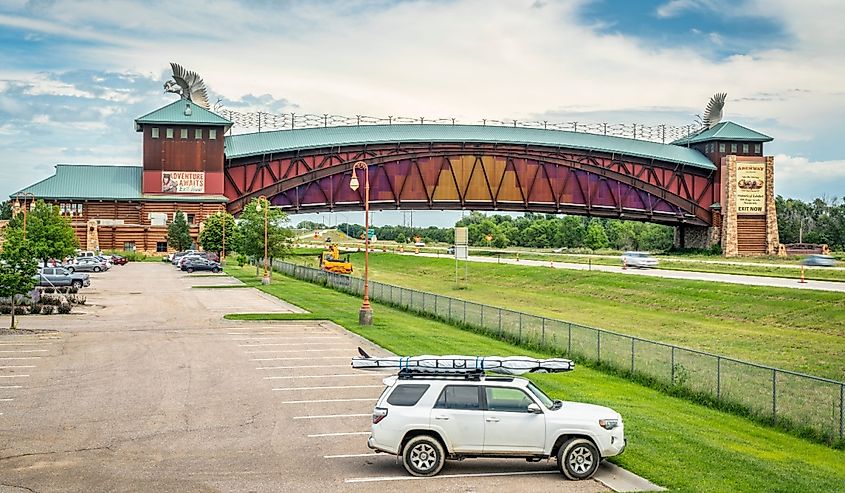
{"points": [[672, 442], [787, 328]]}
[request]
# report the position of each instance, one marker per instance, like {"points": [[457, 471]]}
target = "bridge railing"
{"points": [[261, 121], [808, 403]]}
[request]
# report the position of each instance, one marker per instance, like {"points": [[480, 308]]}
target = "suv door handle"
{"points": [[492, 420], [444, 418]]}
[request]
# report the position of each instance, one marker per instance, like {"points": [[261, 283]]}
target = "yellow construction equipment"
{"points": [[330, 261]]}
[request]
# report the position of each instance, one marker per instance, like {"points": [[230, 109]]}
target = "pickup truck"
{"points": [[59, 276]]}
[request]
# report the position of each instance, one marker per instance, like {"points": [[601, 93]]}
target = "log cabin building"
{"points": [[128, 207]]}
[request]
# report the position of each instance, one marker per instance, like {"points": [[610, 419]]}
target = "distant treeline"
{"points": [[819, 221]]}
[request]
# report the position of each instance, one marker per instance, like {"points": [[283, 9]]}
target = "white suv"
{"points": [[427, 419]]}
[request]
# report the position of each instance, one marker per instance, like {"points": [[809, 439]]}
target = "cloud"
{"points": [[799, 177]]}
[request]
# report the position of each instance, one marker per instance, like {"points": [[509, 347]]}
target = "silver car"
{"points": [[819, 261], [87, 264], [640, 260]]}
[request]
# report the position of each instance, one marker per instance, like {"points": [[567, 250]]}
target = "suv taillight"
{"points": [[379, 414]]}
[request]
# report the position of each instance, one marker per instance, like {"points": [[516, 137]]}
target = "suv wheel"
{"points": [[190, 270], [578, 459], [97, 269], [423, 456], [76, 284]]}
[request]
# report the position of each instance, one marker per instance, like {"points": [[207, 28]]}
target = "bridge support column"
{"points": [[749, 218], [688, 236]]}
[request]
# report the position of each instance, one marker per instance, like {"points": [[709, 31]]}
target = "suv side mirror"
{"points": [[534, 409]]}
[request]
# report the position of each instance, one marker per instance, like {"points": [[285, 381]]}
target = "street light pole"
{"points": [[17, 207], [365, 315], [223, 253]]}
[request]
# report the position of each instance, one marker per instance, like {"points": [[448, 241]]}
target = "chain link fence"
{"points": [[803, 401]]}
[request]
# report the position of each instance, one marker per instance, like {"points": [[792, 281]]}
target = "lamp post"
{"points": [[263, 199], [365, 315], [223, 253], [17, 207]]}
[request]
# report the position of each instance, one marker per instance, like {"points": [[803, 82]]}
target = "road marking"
{"points": [[289, 344], [315, 401], [298, 366], [288, 357], [25, 351], [329, 416], [20, 366], [340, 434], [342, 348], [7, 399], [439, 476], [13, 376], [20, 357], [289, 377], [321, 338], [6, 387], [333, 387], [344, 456], [22, 343]]}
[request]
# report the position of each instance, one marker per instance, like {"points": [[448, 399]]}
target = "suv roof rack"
{"points": [[439, 374]]}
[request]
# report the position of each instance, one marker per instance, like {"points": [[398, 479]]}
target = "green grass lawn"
{"points": [[787, 328], [673, 442]]}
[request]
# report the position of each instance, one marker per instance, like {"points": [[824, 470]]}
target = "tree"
{"points": [[251, 228], [595, 238], [178, 234], [211, 237], [5, 210], [48, 233], [17, 268]]}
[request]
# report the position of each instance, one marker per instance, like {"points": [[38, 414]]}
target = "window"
{"points": [[183, 133], [158, 218], [722, 148], [407, 395], [169, 133], [73, 209], [507, 400], [212, 134], [756, 148], [190, 218], [47, 272], [458, 397], [745, 148], [128, 246], [154, 132], [161, 246], [733, 148], [198, 133]]}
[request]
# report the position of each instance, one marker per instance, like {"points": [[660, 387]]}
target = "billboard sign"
{"points": [[182, 182], [750, 188]]}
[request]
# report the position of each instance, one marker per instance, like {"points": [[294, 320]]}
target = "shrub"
{"points": [[5, 309], [20, 310], [47, 309], [64, 308], [49, 290], [35, 309]]}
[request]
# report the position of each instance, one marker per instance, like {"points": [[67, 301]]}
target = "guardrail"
{"points": [[799, 400]]}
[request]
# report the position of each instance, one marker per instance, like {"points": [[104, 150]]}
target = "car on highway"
{"points": [[59, 277], [450, 250], [430, 418], [640, 260], [87, 264], [191, 264], [819, 261], [419, 244]]}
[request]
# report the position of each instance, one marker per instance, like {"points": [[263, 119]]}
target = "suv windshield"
{"points": [[540, 395]]}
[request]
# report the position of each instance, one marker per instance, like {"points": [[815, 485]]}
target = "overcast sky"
{"points": [[74, 74]]}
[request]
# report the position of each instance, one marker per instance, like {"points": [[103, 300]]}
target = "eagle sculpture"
{"points": [[713, 112], [188, 85]]}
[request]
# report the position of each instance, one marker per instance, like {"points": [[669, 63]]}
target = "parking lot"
{"points": [[151, 390]]}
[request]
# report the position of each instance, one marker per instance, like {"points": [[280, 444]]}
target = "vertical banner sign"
{"points": [[750, 188], [182, 182], [461, 238]]}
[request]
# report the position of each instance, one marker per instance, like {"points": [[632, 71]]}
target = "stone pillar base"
{"points": [[700, 237]]}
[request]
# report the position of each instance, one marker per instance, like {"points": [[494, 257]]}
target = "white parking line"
{"points": [[22, 343], [333, 387], [329, 416], [289, 344], [342, 348], [297, 366], [316, 401], [20, 357], [25, 351], [17, 366], [289, 357], [279, 333], [7, 399], [13, 376], [291, 377], [7, 387], [439, 476], [346, 456], [347, 433]]}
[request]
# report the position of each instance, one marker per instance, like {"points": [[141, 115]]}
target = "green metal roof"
{"points": [[90, 182], [729, 131], [104, 182], [311, 138], [174, 113]]}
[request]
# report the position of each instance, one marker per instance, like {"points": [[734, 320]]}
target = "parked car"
{"points": [[427, 419], [118, 260], [419, 244], [105, 259], [819, 261], [87, 264], [640, 260], [450, 250], [59, 277], [199, 263]]}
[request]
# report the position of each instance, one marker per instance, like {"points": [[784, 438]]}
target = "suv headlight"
{"points": [[608, 424]]}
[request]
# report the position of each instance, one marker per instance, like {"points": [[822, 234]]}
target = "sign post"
{"points": [[461, 252]]}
